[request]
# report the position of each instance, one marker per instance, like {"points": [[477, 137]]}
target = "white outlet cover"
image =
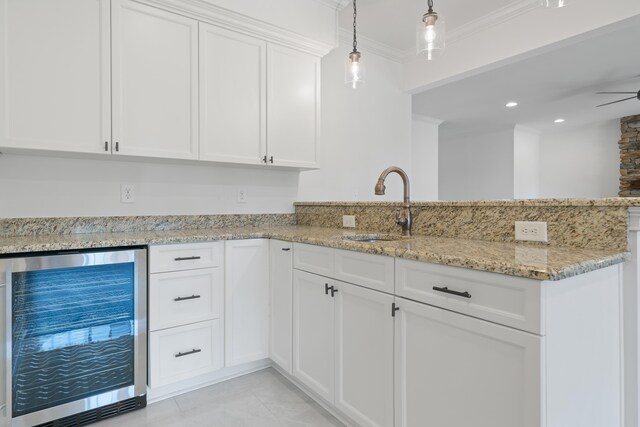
{"points": [[532, 231], [242, 196], [127, 193]]}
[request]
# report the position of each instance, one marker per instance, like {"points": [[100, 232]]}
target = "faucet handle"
{"points": [[400, 219]]}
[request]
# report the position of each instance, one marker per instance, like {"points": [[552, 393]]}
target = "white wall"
{"points": [[581, 162], [526, 163], [476, 166], [424, 158], [363, 132], [34, 186]]}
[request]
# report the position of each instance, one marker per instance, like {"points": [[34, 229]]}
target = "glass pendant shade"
{"points": [[430, 35], [354, 71], [553, 3]]}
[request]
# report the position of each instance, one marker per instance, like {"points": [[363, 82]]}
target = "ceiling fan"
{"points": [[636, 95]]}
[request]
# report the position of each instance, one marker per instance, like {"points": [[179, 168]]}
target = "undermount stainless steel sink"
{"points": [[371, 237]]}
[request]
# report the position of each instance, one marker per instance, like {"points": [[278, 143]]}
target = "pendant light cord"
{"points": [[355, 14], [430, 4]]}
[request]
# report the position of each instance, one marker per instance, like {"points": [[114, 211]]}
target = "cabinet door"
{"points": [[364, 355], [453, 370], [246, 301], [281, 307], [155, 82], [55, 75], [293, 82], [232, 96], [313, 339]]}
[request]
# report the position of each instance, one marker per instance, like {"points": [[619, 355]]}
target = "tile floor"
{"points": [[261, 399]]}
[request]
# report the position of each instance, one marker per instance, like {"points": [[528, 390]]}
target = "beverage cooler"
{"points": [[75, 336]]}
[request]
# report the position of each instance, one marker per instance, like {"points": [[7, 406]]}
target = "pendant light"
{"points": [[553, 3], [354, 72], [430, 34]]}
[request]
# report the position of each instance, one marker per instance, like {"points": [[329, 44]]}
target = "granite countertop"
{"points": [[515, 259]]}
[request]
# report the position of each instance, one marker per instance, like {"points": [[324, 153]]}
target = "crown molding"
{"points": [[426, 119], [336, 5], [370, 45], [527, 129], [496, 17], [225, 18]]}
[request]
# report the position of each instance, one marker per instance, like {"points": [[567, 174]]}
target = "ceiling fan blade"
{"points": [[615, 102], [620, 93]]}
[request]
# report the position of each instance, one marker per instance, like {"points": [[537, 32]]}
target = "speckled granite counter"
{"points": [[516, 259]]}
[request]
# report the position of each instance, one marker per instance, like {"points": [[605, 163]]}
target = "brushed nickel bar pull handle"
{"points": [[186, 298], [449, 291], [187, 258], [117, 146], [271, 159], [106, 146], [187, 353], [286, 249]]}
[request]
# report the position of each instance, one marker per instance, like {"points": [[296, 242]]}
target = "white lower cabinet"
{"points": [[184, 352], [313, 329], [185, 312], [281, 303], [453, 370], [343, 346], [364, 355], [246, 301]]}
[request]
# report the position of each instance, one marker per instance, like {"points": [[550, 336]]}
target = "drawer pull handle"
{"points": [[187, 353], [286, 249], [186, 258], [186, 298], [327, 288], [449, 291]]}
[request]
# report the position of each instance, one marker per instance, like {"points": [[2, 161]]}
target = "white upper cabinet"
{"points": [[155, 82], [120, 77], [293, 93], [232, 96], [54, 75]]}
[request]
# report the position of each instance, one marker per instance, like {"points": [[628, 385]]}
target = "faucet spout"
{"points": [[405, 218]]}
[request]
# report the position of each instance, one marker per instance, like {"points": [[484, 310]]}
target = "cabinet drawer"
{"points": [[371, 271], [184, 256], [184, 352], [183, 297], [507, 300], [314, 259]]}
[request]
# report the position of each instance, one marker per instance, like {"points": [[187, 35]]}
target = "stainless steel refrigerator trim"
{"points": [[6, 414], [139, 257]]}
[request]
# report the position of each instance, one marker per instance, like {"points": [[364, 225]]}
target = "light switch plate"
{"points": [[349, 221], [531, 231]]}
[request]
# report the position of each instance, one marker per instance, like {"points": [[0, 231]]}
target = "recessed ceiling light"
{"points": [[558, 121], [511, 104]]}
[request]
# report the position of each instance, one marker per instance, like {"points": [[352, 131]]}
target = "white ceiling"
{"points": [[558, 83], [394, 22]]}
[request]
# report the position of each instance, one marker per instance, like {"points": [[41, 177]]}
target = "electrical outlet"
{"points": [[127, 193], [349, 221], [242, 196], [531, 231]]}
